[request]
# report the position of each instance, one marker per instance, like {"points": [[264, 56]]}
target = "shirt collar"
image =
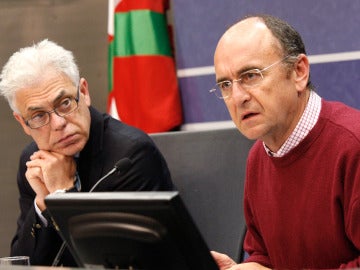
{"points": [[305, 124]]}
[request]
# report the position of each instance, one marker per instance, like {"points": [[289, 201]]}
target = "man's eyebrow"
{"points": [[57, 98], [238, 73], [246, 69], [222, 79]]}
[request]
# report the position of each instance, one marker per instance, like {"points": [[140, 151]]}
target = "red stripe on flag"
{"points": [[154, 5], [146, 92]]}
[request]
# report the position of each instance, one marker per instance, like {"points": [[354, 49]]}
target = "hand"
{"points": [[49, 171], [226, 263], [34, 176], [223, 261]]}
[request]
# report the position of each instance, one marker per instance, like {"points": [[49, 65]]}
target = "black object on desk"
{"points": [[130, 230]]}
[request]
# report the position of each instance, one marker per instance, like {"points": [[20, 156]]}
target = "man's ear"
{"points": [[302, 72], [22, 123], [84, 90]]}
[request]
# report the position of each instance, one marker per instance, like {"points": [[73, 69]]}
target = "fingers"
{"points": [[223, 261], [34, 177], [54, 170], [226, 263]]}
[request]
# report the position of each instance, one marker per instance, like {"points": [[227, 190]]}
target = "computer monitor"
{"points": [[130, 230]]}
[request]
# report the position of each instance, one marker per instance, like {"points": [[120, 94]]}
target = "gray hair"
{"points": [[29, 65]]}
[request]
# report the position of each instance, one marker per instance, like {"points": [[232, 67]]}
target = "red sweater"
{"points": [[303, 210]]}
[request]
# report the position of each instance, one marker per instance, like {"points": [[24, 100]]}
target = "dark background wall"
{"points": [[330, 30]]}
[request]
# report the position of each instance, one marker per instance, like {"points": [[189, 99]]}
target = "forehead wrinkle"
{"points": [[56, 99]]}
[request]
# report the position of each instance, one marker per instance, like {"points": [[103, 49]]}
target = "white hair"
{"points": [[31, 64]]}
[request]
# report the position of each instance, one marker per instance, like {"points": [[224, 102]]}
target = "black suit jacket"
{"points": [[109, 141]]}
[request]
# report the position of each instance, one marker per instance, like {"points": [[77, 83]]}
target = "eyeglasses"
{"points": [[247, 80], [66, 107]]}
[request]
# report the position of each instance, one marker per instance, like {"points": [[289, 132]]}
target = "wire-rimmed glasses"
{"points": [[66, 106], [247, 80]]}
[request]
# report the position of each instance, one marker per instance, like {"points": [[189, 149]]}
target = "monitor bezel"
{"points": [[166, 207]]}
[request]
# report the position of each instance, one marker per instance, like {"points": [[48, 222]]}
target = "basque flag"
{"points": [[143, 87]]}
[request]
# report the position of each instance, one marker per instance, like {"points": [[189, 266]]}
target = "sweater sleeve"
{"points": [[253, 242], [353, 232], [351, 205]]}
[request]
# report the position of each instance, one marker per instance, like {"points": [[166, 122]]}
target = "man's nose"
{"points": [[57, 121], [239, 94]]}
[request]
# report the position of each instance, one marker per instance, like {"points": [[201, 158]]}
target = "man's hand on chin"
{"points": [[48, 172]]}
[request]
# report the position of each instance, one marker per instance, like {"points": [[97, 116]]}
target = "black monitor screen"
{"points": [[130, 230]]}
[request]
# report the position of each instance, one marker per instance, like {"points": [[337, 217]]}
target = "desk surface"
{"points": [[20, 267]]}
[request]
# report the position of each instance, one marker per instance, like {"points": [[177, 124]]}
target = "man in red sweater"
{"points": [[302, 191]]}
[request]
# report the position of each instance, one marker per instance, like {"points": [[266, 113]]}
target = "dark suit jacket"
{"points": [[109, 141]]}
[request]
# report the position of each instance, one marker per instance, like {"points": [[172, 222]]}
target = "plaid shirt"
{"points": [[306, 123]]}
